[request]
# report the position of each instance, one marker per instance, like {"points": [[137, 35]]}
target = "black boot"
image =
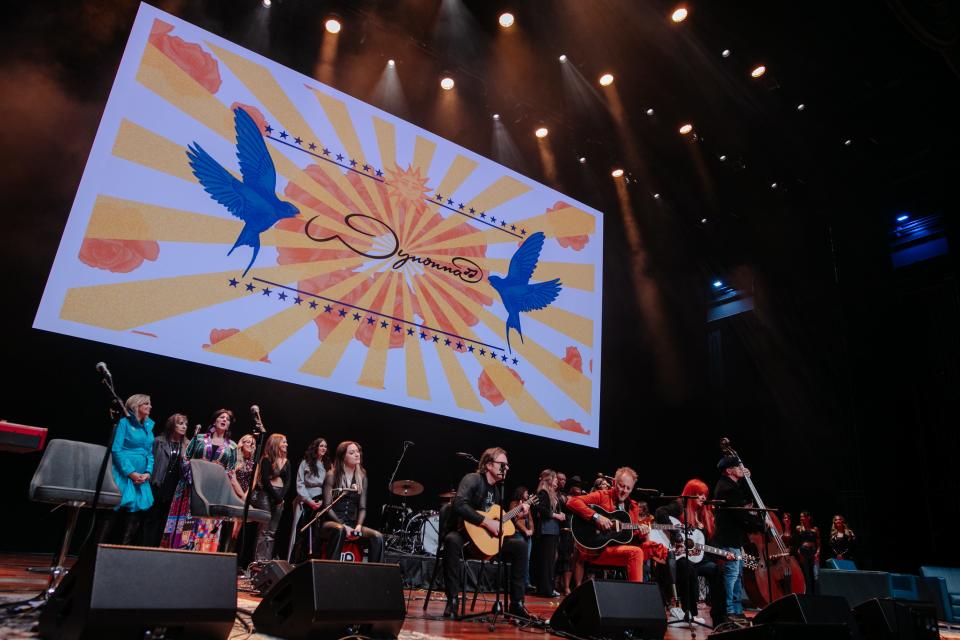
{"points": [[517, 609], [452, 610]]}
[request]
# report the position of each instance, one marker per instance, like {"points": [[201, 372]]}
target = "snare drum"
{"points": [[425, 526]]}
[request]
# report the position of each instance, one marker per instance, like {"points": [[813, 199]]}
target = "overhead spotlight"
{"points": [[606, 80], [541, 132], [679, 14], [332, 25], [583, 160], [717, 284], [686, 128], [703, 221], [847, 142], [506, 20], [656, 196], [446, 83], [266, 4], [616, 173], [391, 62], [902, 217], [758, 71], [496, 116], [723, 158], [773, 185], [801, 107], [725, 53], [563, 57], [650, 111]]}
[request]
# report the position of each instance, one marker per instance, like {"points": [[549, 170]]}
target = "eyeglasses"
{"points": [[502, 463]]}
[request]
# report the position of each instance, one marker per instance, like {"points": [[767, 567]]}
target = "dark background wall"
{"points": [[840, 389]]}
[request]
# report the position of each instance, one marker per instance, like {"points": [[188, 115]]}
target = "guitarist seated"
{"points": [[480, 492], [616, 498]]}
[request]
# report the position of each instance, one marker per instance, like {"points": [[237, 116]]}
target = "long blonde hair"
{"points": [[547, 476]]}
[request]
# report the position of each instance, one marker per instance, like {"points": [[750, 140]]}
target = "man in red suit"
{"points": [[616, 498]]}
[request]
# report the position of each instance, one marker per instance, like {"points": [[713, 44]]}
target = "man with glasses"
{"points": [[477, 492]]}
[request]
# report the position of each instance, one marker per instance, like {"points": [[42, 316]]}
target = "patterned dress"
{"points": [[182, 530]]}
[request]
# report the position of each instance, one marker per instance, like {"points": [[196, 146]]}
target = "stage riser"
{"points": [[417, 571]]}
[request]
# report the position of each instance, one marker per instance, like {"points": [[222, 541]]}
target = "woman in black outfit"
{"points": [[547, 533], [345, 518], [167, 470], [271, 489], [807, 538]]}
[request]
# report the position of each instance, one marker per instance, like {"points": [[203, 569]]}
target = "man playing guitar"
{"points": [[616, 498], [480, 491]]}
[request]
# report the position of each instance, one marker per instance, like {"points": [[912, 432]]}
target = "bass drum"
{"points": [[425, 526]]}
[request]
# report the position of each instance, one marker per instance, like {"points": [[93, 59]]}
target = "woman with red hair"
{"points": [[693, 511]]}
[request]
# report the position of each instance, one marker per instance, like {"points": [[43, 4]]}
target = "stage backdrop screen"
{"points": [[238, 214]]}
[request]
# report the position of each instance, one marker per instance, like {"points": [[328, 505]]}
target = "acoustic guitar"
{"points": [[485, 542], [588, 536]]}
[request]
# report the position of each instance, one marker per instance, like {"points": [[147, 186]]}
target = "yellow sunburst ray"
{"points": [[572, 382], [514, 392], [417, 385], [463, 393], [375, 364], [159, 74], [327, 356], [573, 275], [423, 151], [503, 190], [386, 135], [459, 170], [128, 305]]}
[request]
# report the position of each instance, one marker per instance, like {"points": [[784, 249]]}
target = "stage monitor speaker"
{"points": [[135, 592], [610, 609], [270, 574], [855, 586], [786, 631], [888, 619], [800, 608], [325, 599]]}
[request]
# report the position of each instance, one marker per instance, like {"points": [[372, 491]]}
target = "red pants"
{"points": [[625, 555]]}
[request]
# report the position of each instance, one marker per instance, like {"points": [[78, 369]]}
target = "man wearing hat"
{"points": [[732, 527]]}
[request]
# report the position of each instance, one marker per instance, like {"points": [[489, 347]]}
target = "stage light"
{"points": [[801, 107], [506, 20], [391, 62], [773, 185], [496, 116], [650, 111], [656, 196], [686, 128], [541, 132], [758, 71], [333, 25], [616, 173], [902, 217], [679, 14], [446, 83], [717, 284], [266, 4], [847, 142], [725, 53], [583, 160], [606, 80], [703, 221], [563, 57], [723, 158]]}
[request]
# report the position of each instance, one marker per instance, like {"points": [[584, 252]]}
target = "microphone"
{"points": [[408, 443], [645, 490], [461, 454], [257, 420], [605, 476], [351, 489], [102, 369], [196, 431], [716, 502]]}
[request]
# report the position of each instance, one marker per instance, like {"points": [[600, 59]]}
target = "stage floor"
{"points": [[17, 584]]}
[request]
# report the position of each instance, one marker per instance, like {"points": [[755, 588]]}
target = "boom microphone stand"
{"points": [[259, 433]]}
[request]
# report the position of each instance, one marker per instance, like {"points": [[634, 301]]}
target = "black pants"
{"points": [[336, 534], [545, 561], [807, 557], [267, 531], [688, 587], [121, 527], [513, 551]]}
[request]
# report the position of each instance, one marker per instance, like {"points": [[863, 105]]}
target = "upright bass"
{"points": [[778, 573]]}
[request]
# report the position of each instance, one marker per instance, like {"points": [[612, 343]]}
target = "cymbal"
{"points": [[447, 494], [406, 488]]}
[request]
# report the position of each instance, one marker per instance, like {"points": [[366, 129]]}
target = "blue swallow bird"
{"points": [[254, 200], [516, 291]]}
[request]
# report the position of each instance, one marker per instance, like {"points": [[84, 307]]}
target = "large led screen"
{"points": [[236, 213]]}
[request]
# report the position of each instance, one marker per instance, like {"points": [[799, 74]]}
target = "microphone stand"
{"points": [[259, 433], [498, 607], [321, 512], [403, 503]]}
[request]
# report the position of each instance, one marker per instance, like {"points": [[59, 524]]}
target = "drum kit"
{"points": [[406, 531]]}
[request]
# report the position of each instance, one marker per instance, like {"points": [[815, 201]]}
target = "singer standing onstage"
{"points": [[167, 469], [310, 476], [345, 518], [732, 528], [616, 498], [270, 491], [479, 491], [132, 452]]}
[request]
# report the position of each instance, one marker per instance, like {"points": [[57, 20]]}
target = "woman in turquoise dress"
{"points": [[132, 453]]}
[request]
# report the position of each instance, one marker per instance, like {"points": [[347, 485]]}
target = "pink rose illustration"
{"points": [[118, 256], [198, 64], [489, 391], [569, 424]]}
